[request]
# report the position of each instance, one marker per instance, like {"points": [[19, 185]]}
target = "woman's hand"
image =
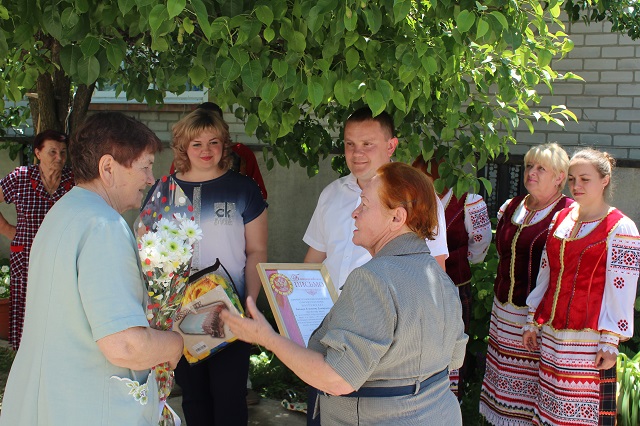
{"points": [[7, 229], [252, 330], [530, 340], [605, 360]]}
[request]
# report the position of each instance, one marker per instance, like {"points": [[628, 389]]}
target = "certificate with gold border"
{"points": [[300, 296]]}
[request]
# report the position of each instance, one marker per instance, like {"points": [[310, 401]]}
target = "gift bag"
{"points": [[209, 291]]}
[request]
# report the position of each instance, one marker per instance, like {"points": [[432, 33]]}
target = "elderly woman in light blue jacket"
{"points": [[87, 348]]}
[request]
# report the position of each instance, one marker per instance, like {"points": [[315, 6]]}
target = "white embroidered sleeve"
{"points": [[478, 226], [502, 209], [616, 313]]}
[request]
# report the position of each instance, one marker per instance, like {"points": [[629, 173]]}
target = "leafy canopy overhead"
{"points": [[457, 76], [624, 15]]}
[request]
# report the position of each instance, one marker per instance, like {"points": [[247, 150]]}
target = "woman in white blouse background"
{"points": [[582, 306]]}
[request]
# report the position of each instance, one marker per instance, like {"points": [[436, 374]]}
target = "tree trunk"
{"points": [[47, 111], [51, 108], [81, 102]]}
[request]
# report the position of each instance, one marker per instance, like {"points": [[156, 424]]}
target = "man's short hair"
{"points": [[365, 114]]}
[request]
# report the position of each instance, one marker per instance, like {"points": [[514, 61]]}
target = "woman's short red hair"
{"points": [[403, 186]]}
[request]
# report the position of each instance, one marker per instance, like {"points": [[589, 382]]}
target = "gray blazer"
{"points": [[398, 320]]}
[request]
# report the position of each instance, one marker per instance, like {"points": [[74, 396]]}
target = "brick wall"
{"points": [[160, 119], [607, 103]]}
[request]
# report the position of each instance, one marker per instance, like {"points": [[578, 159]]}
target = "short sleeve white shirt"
{"points": [[331, 229]]}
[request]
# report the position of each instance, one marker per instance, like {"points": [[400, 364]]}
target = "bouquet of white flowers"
{"points": [[165, 253], [166, 233]]}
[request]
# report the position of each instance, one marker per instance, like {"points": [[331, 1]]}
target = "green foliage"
{"points": [[471, 399], [483, 278], [272, 379], [458, 77], [13, 118], [629, 389], [6, 359], [624, 15]]}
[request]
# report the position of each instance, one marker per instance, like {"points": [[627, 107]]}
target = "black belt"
{"points": [[381, 392]]}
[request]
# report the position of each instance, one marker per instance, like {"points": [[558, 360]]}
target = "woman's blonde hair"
{"points": [[551, 155], [192, 126]]}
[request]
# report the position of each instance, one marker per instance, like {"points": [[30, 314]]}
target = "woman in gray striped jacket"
{"points": [[382, 354]]}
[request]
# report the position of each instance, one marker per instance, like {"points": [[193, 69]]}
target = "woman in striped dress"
{"points": [[582, 306], [510, 382]]}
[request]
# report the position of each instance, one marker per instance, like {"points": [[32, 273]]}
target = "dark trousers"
{"points": [[214, 391], [312, 394]]}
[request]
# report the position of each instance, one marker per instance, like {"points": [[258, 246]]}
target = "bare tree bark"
{"points": [[61, 87], [81, 102], [47, 116]]}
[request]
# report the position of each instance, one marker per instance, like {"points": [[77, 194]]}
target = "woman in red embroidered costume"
{"points": [[511, 379], [583, 303], [33, 189], [468, 239]]}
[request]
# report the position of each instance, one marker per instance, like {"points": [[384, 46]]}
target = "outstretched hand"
{"points": [[252, 330], [530, 340]]}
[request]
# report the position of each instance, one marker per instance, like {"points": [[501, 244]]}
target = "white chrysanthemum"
{"points": [[149, 240], [4, 269], [191, 231], [166, 225], [174, 248], [186, 254], [152, 254]]}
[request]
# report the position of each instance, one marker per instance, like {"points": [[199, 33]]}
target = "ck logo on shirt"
{"points": [[224, 212]]}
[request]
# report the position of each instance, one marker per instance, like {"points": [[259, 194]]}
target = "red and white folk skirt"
{"points": [[571, 390], [510, 386]]}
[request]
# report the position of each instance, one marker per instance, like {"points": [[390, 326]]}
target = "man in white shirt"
{"points": [[369, 142]]}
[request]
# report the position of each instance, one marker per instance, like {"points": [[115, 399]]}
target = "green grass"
{"points": [[6, 359]]}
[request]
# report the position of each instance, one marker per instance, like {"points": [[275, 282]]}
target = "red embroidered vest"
{"points": [[519, 251], [457, 263], [578, 276]]}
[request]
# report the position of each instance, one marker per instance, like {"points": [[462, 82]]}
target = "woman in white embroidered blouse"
{"points": [[582, 306]]}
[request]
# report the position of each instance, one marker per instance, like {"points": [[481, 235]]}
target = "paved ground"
{"points": [[268, 413]]}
